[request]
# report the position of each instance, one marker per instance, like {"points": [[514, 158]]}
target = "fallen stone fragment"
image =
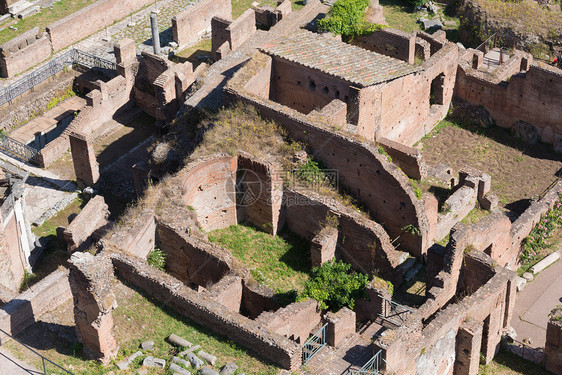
{"points": [[178, 341], [124, 364], [190, 350], [195, 361], [178, 370], [528, 276], [180, 361], [150, 361], [208, 371], [547, 261], [229, 369], [207, 357], [147, 345]]}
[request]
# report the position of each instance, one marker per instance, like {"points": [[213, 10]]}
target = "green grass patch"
{"points": [[49, 227], [137, 319], [505, 363], [279, 262], [400, 15], [475, 215], [44, 18]]}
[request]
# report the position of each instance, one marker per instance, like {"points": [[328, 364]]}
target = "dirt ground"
{"points": [[519, 171]]}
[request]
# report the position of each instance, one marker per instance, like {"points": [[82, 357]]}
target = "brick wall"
{"points": [[415, 348], [86, 167], [409, 159], [367, 175], [389, 42], [295, 321], [23, 52], [553, 346], [45, 296], [93, 217], [361, 242], [227, 292], [262, 194], [23, 108], [212, 315], [139, 237], [89, 20], [257, 299], [102, 105], [189, 25], [192, 260], [12, 266], [227, 36], [532, 96], [209, 187]]}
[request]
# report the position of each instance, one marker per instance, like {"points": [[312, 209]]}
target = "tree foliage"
{"points": [[335, 285], [347, 18]]}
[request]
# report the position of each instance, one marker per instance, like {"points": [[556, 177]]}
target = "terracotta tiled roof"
{"points": [[354, 64]]}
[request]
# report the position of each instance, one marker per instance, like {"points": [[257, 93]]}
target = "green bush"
{"points": [[335, 285], [347, 18], [157, 259]]}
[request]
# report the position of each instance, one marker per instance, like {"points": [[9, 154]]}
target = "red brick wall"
{"points": [[190, 259], [533, 97], [295, 321], [367, 174], [23, 52], [46, 295], [361, 242], [553, 346], [389, 42], [268, 345], [189, 25], [87, 21], [209, 187], [11, 255], [292, 85]]}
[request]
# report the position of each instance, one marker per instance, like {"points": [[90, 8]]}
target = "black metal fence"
{"points": [[68, 59], [15, 148], [44, 361]]}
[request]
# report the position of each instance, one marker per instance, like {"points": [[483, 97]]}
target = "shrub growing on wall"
{"points": [[157, 259], [335, 285], [347, 18]]}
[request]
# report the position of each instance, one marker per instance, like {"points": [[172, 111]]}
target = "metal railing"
{"points": [[524, 351], [69, 58], [372, 367], [89, 61], [314, 344], [15, 148], [394, 313], [43, 359]]}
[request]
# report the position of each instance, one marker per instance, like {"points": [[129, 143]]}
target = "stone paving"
{"points": [[535, 302], [101, 44], [12, 366], [45, 193]]}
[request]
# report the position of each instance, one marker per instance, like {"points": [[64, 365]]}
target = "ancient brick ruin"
{"points": [[358, 108], [90, 283]]}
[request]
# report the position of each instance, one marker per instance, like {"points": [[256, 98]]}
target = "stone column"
{"points": [[84, 159], [155, 33], [553, 345], [90, 283]]}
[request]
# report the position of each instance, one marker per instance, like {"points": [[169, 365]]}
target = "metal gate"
{"points": [[314, 344], [394, 313]]}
